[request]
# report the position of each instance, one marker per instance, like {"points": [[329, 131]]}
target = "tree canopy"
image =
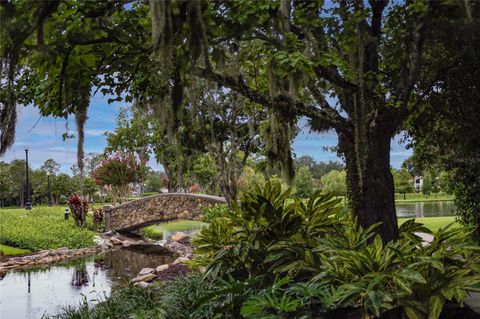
{"points": [[359, 68]]}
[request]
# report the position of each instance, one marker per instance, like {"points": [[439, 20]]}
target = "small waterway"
{"points": [[29, 294], [425, 209]]}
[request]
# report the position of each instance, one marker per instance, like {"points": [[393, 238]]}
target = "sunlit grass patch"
{"points": [[41, 228]]}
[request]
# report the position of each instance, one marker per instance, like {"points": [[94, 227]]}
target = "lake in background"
{"points": [[425, 209]]}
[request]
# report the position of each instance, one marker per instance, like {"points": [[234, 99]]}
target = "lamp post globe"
{"points": [[28, 203]]}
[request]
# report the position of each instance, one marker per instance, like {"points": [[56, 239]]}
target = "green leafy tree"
{"points": [[203, 171], [17, 172], [295, 56], [62, 187], [304, 183], [153, 182], [318, 169], [250, 179], [335, 182], [446, 183], [230, 126], [378, 61], [428, 185], [6, 183], [50, 166], [403, 181], [447, 135]]}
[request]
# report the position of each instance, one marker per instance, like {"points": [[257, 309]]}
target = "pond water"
{"points": [[166, 230], [425, 209], [29, 294]]}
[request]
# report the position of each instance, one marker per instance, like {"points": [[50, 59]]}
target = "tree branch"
{"points": [[281, 103], [412, 64]]}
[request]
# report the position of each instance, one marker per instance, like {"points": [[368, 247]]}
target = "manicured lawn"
{"points": [[41, 228], [419, 197], [12, 251], [434, 223]]}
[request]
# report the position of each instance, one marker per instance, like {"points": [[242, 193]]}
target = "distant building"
{"points": [[418, 183]]}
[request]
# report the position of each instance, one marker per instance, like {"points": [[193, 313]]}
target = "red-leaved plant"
{"points": [[116, 173], [79, 208]]}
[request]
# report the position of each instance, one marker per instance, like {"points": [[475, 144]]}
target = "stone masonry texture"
{"points": [[160, 208]]}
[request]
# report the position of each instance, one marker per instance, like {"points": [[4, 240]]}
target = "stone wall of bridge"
{"points": [[158, 208]]}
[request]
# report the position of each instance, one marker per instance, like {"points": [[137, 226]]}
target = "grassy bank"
{"points": [[434, 223], [41, 228], [6, 250], [419, 197]]}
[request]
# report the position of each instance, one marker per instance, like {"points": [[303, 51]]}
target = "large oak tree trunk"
{"points": [[369, 180]]}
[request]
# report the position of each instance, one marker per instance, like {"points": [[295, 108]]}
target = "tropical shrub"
{"points": [[275, 256], [212, 212], [79, 207], [304, 182], [250, 179], [296, 258], [117, 173]]}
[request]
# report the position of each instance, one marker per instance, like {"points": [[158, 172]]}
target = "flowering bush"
{"points": [[79, 208], [117, 173]]}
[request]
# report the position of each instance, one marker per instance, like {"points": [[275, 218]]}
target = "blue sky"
{"points": [[45, 141]]}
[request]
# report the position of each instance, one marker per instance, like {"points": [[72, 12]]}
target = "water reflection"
{"points": [[425, 209], [28, 294], [80, 276]]}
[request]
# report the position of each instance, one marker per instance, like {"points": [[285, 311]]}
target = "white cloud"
{"points": [[95, 132]]}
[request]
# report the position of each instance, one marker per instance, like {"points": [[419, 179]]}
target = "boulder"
{"points": [[142, 284], [162, 268], [179, 248], [116, 241], [145, 278], [180, 237], [180, 260], [146, 271]]}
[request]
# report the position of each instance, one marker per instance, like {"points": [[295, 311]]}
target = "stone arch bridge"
{"points": [[158, 208]]}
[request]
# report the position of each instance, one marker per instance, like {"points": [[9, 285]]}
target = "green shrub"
{"points": [[274, 256], [243, 241], [152, 232], [214, 212], [309, 258], [125, 303], [41, 228]]}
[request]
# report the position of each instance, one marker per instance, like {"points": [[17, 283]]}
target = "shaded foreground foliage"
{"points": [[274, 256]]}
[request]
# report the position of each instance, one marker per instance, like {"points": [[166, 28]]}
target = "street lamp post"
{"points": [[28, 203], [50, 202]]}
